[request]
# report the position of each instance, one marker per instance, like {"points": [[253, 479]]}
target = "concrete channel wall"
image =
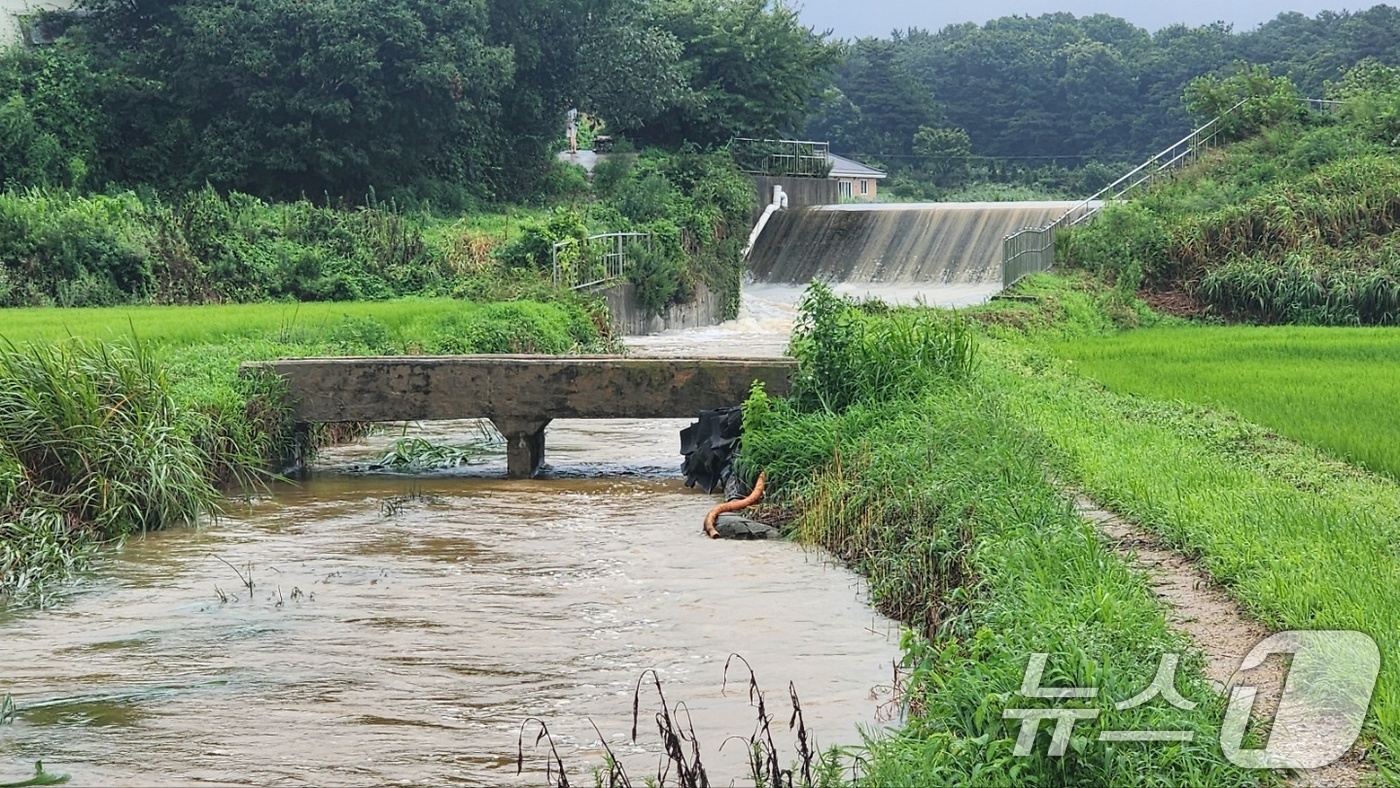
{"points": [[630, 319], [801, 192]]}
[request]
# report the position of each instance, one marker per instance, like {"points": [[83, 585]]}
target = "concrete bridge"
{"points": [[519, 394]]}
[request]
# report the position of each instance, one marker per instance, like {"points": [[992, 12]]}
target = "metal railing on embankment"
{"points": [[1032, 249], [596, 260]]}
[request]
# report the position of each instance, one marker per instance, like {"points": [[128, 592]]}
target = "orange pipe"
{"points": [[734, 506]]}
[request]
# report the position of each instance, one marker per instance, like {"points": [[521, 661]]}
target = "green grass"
{"points": [[1302, 542], [938, 495], [1334, 388], [189, 325], [941, 501]]}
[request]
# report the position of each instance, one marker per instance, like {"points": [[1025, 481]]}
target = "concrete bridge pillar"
{"points": [[524, 445]]}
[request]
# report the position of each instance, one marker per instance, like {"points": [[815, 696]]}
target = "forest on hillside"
{"points": [[458, 102], [333, 99], [1038, 97]]}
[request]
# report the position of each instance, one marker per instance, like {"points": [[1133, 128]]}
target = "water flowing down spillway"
{"points": [[934, 243]]}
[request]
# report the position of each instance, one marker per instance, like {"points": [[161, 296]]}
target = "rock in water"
{"points": [[737, 526]]}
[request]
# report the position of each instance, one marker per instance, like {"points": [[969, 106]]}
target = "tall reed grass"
{"points": [[94, 448]]}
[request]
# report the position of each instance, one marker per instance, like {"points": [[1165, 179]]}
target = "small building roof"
{"points": [[842, 167]]}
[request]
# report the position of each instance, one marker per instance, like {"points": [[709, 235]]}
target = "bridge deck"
{"points": [[520, 394]]}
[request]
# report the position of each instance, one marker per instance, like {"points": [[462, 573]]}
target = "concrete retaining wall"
{"points": [[631, 320], [12, 10], [801, 192]]}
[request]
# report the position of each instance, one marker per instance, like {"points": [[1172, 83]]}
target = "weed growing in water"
{"points": [[40, 778], [395, 505], [419, 455], [682, 765]]}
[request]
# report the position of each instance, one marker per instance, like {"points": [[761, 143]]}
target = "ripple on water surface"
{"points": [[409, 648]]}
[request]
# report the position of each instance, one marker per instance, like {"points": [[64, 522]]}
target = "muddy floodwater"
{"points": [[401, 629]]}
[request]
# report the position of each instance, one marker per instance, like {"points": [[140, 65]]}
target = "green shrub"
{"points": [[611, 172], [646, 199], [848, 356], [657, 276], [1127, 243], [534, 247]]}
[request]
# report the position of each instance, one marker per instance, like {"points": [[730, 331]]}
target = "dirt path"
{"points": [[1199, 608]]}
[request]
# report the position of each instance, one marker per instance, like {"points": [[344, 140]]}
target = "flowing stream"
{"points": [[401, 629]]}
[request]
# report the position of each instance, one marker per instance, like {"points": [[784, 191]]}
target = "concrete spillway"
{"points": [[948, 243]]}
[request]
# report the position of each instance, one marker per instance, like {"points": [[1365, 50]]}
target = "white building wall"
{"points": [[11, 10]]}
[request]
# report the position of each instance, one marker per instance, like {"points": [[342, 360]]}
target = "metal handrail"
{"points": [[608, 266], [803, 157], [1022, 255], [1032, 249]]}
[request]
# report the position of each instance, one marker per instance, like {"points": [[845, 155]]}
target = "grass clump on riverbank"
{"points": [[92, 447], [938, 496]]}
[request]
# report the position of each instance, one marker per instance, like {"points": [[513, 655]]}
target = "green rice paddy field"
{"points": [[188, 325], [1334, 388], [363, 328]]}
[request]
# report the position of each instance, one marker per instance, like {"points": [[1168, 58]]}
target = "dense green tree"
{"points": [[50, 118], [290, 97], [1035, 92], [943, 154], [751, 67], [341, 98], [892, 106]]}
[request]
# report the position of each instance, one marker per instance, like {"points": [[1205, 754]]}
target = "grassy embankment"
{"points": [[1296, 224], [941, 484], [899, 453], [1302, 539]]}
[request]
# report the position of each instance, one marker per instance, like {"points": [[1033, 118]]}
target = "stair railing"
{"points": [[1032, 249]]}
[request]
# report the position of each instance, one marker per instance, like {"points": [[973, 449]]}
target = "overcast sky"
{"points": [[852, 18]]}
